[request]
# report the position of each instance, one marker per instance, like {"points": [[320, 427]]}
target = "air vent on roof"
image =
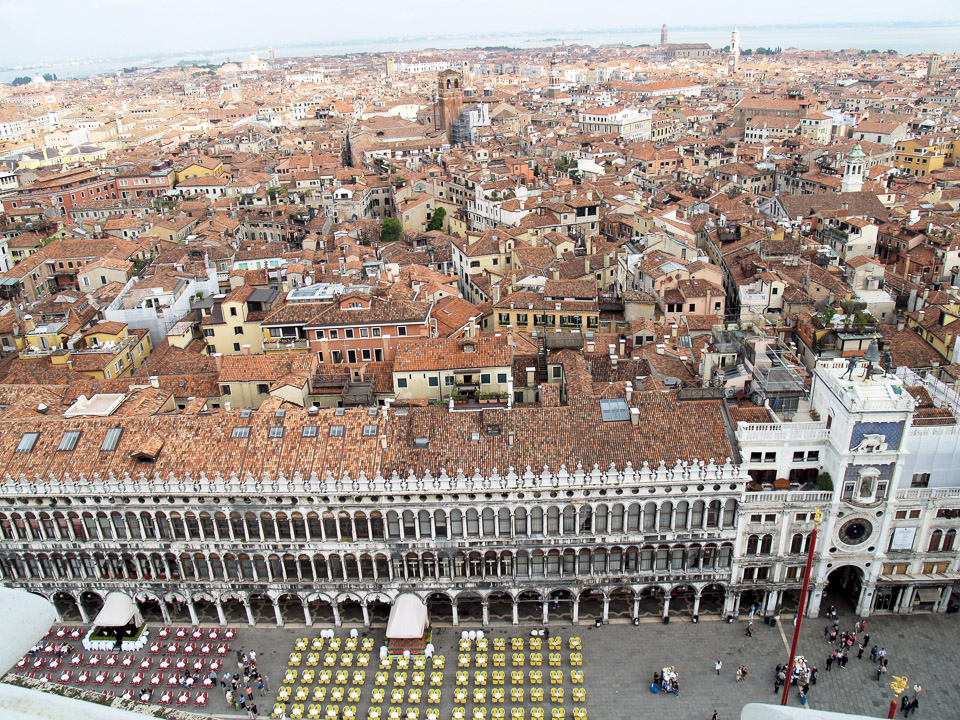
{"points": [[42, 409], [401, 411], [372, 411], [280, 413], [245, 413], [421, 443], [313, 410], [493, 431], [339, 412]]}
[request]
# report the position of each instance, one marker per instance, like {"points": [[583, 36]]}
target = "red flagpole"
{"points": [[803, 603]]}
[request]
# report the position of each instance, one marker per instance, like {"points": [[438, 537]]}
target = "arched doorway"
{"points": [[790, 601], [234, 611], [560, 606], [262, 608], [620, 606], [651, 602], [749, 598], [92, 604], [469, 608], [712, 598], [291, 609], [591, 606], [844, 585], [530, 606], [351, 611], [177, 609], [206, 610], [439, 608], [682, 598], [321, 612], [378, 609], [500, 607], [66, 607]]}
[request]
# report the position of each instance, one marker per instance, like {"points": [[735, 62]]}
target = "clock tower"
{"points": [[867, 411]]}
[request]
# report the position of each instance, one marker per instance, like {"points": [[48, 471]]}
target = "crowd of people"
{"points": [[241, 688]]}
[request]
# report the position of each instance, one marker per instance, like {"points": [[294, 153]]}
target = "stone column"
{"points": [[83, 613], [366, 615], [516, 615], [336, 614], [636, 606], [193, 612], [666, 605], [454, 617], [546, 610], [606, 609], [246, 606], [945, 599], [486, 612], [276, 611], [220, 613], [165, 611], [576, 610], [696, 604]]}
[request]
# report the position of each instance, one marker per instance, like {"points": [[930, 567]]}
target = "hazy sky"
{"points": [[43, 30]]}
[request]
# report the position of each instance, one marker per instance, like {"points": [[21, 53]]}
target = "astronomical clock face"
{"points": [[855, 531]]}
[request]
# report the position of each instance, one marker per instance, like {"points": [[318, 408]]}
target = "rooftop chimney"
{"points": [[155, 381], [218, 360], [635, 416]]}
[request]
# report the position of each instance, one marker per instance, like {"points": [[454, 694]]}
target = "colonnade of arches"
{"points": [[520, 521], [333, 566], [540, 605]]}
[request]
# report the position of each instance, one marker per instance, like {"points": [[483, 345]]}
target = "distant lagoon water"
{"points": [[905, 38]]}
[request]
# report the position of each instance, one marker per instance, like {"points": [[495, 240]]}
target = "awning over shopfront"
{"points": [[118, 611], [408, 618]]}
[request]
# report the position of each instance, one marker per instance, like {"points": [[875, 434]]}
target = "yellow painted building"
{"points": [[204, 168], [922, 156]]}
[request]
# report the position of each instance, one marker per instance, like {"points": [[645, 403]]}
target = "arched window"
{"points": [[666, 515], [553, 520], [948, 539], [936, 537], [796, 544], [569, 520], [766, 544], [520, 521], [489, 523], [503, 522], [650, 517], [616, 519], [753, 542], [600, 518]]}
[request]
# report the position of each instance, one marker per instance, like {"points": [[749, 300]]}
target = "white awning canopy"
{"points": [[408, 618], [118, 610], [928, 595]]}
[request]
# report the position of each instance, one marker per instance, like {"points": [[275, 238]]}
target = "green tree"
{"points": [[390, 231], [22, 80], [49, 77], [436, 222]]}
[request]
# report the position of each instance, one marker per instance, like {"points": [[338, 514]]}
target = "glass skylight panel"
{"points": [[240, 432], [369, 430], [336, 431], [27, 442], [309, 431], [614, 410], [276, 432], [112, 439], [69, 441]]}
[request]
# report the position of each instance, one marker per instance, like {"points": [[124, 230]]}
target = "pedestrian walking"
{"points": [[814, 675], [880, 671], [749, 632], [826, 633], [904, 704], [873, 654], [860, 654], [676, 689], [914, 704], [843, 660], [261, 689], [249, 693], [739, 674], [776, 686], [719, 665], [866, 640], [715, 716], [829, 662]]}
